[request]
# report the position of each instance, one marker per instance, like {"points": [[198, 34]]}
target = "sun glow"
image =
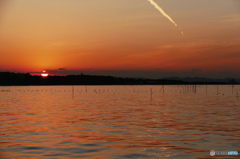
{"points": [[44, 74]]}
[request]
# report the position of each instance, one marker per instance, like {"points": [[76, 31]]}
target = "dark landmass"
{"points": [[21, 79], [206, 80]]}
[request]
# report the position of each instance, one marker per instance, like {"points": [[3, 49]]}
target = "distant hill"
{"points": [[205, 80]]}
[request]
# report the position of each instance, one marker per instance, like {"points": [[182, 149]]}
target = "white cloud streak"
{"points": [[164, 14]]}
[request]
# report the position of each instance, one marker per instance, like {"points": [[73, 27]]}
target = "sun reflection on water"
{"points": [[116, 122]]}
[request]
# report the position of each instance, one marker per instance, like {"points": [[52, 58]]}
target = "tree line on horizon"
{"points": [[18, 79]]}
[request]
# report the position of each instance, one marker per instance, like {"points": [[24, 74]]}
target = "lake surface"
{"points": [[114, 122]]}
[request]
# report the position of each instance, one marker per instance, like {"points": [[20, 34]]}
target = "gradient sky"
{"points": [[121, 37]]}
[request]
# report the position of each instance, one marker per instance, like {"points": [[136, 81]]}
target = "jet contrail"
{"points": [[164, 14]]}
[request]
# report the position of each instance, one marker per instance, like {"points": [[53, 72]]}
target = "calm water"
{"points": [[118, 121]]}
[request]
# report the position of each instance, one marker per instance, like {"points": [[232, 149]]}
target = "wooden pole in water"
{"points": [[206, 89], [217, 89], [151, 92], [72, 91]]}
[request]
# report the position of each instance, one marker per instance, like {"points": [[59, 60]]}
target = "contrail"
{"points": [[164, 14]]}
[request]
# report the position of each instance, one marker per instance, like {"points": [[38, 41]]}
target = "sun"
{"points": [[44, 74]]}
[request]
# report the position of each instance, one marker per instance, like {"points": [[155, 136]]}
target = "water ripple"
{"points": [[117, 122]]}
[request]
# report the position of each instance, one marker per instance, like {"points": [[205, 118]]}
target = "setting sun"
{"points": [[44, 74]]}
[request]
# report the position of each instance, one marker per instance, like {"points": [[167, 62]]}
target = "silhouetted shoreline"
{"points": [[21, 79]]}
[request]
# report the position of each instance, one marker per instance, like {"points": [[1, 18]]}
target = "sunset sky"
{"points": [[121, 37]]}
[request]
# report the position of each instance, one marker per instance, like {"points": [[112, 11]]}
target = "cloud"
{"points": [[63, 71], [196, 70]]}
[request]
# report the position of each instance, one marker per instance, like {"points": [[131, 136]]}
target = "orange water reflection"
{"points": [[116, 122]]}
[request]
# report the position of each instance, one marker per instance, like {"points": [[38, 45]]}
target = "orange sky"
{"points": [[121, 35]]}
